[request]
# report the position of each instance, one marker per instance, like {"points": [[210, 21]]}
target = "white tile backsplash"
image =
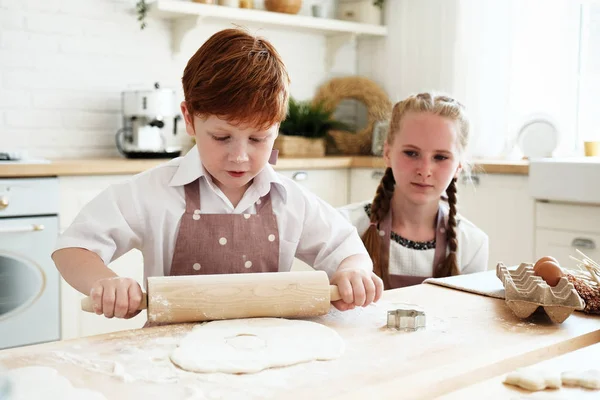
{"points": [[64, 63]]}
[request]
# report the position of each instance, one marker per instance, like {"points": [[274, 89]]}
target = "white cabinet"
{"points": [[329, 184], [363, 183], [500, 205], [562, 228], [75, 192]]}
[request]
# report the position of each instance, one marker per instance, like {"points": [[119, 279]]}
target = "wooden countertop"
{"points": [[123, 166], [582, 360], [468, 340]]}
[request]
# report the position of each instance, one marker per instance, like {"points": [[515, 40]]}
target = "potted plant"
{"points": [[141, 8], [305, 128]]}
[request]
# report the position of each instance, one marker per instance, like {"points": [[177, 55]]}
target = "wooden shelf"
{"points": [[171, 9]]}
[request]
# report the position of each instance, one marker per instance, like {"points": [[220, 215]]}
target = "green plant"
{"points": [[309, 120], [142, 10], [378, 3]]}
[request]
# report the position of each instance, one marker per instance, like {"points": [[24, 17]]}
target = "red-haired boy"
{"points": [[221, 208]]}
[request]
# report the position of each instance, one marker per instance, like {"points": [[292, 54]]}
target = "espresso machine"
{"points": [[149, 118]]}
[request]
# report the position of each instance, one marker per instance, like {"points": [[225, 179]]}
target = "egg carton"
{"points": [[525, 292]]}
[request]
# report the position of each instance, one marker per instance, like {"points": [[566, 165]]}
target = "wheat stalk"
{"points": [[589, 270]]}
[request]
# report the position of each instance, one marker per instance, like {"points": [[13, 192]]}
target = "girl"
{"points": [[409, 229], [221, 208]]}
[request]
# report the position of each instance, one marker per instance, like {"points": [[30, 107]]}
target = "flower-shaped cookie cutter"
{"points": [[406, 319]]}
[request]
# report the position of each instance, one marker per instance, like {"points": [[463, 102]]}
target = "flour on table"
{"points": [[254, 344], [534, 379], [45, 383], [589, 379]]}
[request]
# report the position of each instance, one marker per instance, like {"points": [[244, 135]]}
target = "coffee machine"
{"points": [[149, 117]]}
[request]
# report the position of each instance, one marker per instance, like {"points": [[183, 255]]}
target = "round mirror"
{"points": [[358, 101], [353, 113]]}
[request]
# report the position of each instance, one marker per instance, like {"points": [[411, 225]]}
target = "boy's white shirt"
{"points": [[473, 246], [144, 213]]}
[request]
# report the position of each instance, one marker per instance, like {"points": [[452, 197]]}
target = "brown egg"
{"points": [[548, 271], [543, 259]]}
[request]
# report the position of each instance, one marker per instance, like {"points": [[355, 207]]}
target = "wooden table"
{"points": [[582, 359], [468, 339]]}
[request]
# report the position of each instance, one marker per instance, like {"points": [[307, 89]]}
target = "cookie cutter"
{"points": [[406, 320]]}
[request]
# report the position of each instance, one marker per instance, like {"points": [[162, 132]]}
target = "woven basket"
{"points": [[298, 146], [284, 6], [379, 108]]}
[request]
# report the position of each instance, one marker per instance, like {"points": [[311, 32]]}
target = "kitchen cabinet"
{"points": [[331, 185], [561, 228], [500, 205], [363, 183], [75, 192]]}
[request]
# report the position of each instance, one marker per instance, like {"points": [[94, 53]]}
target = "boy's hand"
{"points": [[357, 287], [116, 297]]}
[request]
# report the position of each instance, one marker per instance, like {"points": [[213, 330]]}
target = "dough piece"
{"points": [[254, 344], [45, 383], [589, 379], [533, 379]]}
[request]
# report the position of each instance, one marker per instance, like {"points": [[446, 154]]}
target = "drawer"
{"points": [[31, 196], [562, 244], [330, 185], [568, 217], [364, 182]]}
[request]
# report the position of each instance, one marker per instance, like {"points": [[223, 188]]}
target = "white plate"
{"points": [[538, 137]]}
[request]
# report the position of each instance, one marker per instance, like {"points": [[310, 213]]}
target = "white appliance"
{"points": [[149, 119], [29, 281]]}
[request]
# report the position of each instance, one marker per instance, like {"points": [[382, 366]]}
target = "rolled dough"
{"points": [[589, 379], [534, 379], [45, 383], [254, 344]]}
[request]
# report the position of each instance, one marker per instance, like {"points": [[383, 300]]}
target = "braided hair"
{"points": [[371, 238], [441, 105]]}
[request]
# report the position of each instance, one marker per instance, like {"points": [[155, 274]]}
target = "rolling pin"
{"points": [[194, 298]]}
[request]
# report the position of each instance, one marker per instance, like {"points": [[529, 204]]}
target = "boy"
{"points": [[221, 208]]}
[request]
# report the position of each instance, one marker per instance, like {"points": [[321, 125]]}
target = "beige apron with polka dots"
{"points": [[225, 243], [398, 281]]}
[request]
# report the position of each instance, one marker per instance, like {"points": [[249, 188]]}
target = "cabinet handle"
{"points": [[300, 176], [21, 229], [377, 175], [583, 243], [3, 202]]}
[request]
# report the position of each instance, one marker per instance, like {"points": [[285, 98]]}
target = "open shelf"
{"points": [[171, 9]]}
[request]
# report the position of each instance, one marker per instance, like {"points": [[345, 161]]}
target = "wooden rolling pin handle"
{"points": [[87, 304], [334, 293]]}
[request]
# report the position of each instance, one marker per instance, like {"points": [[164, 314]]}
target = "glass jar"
{"points": [[380, 131]]}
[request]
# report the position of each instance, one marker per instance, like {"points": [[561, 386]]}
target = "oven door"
{"points": [[29, 281]]}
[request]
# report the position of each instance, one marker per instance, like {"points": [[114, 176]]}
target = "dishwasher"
{"points": [[29, 281]]}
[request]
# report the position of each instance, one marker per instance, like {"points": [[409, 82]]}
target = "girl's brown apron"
{"points": [[398, 281]]}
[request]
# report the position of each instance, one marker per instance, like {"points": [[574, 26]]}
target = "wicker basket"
{"points": [[298, 146], [284, 6]]}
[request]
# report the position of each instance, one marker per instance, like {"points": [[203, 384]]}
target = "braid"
{"points": [[371, 238], [450, 266]]}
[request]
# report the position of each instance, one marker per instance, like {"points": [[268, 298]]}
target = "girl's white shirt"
{"points": [[144, 213], [473, 246]]}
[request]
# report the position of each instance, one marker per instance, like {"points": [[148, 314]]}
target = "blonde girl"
{"points": [[411, 228]]}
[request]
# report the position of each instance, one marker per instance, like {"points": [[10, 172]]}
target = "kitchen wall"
{"points": [[64, 63]]}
